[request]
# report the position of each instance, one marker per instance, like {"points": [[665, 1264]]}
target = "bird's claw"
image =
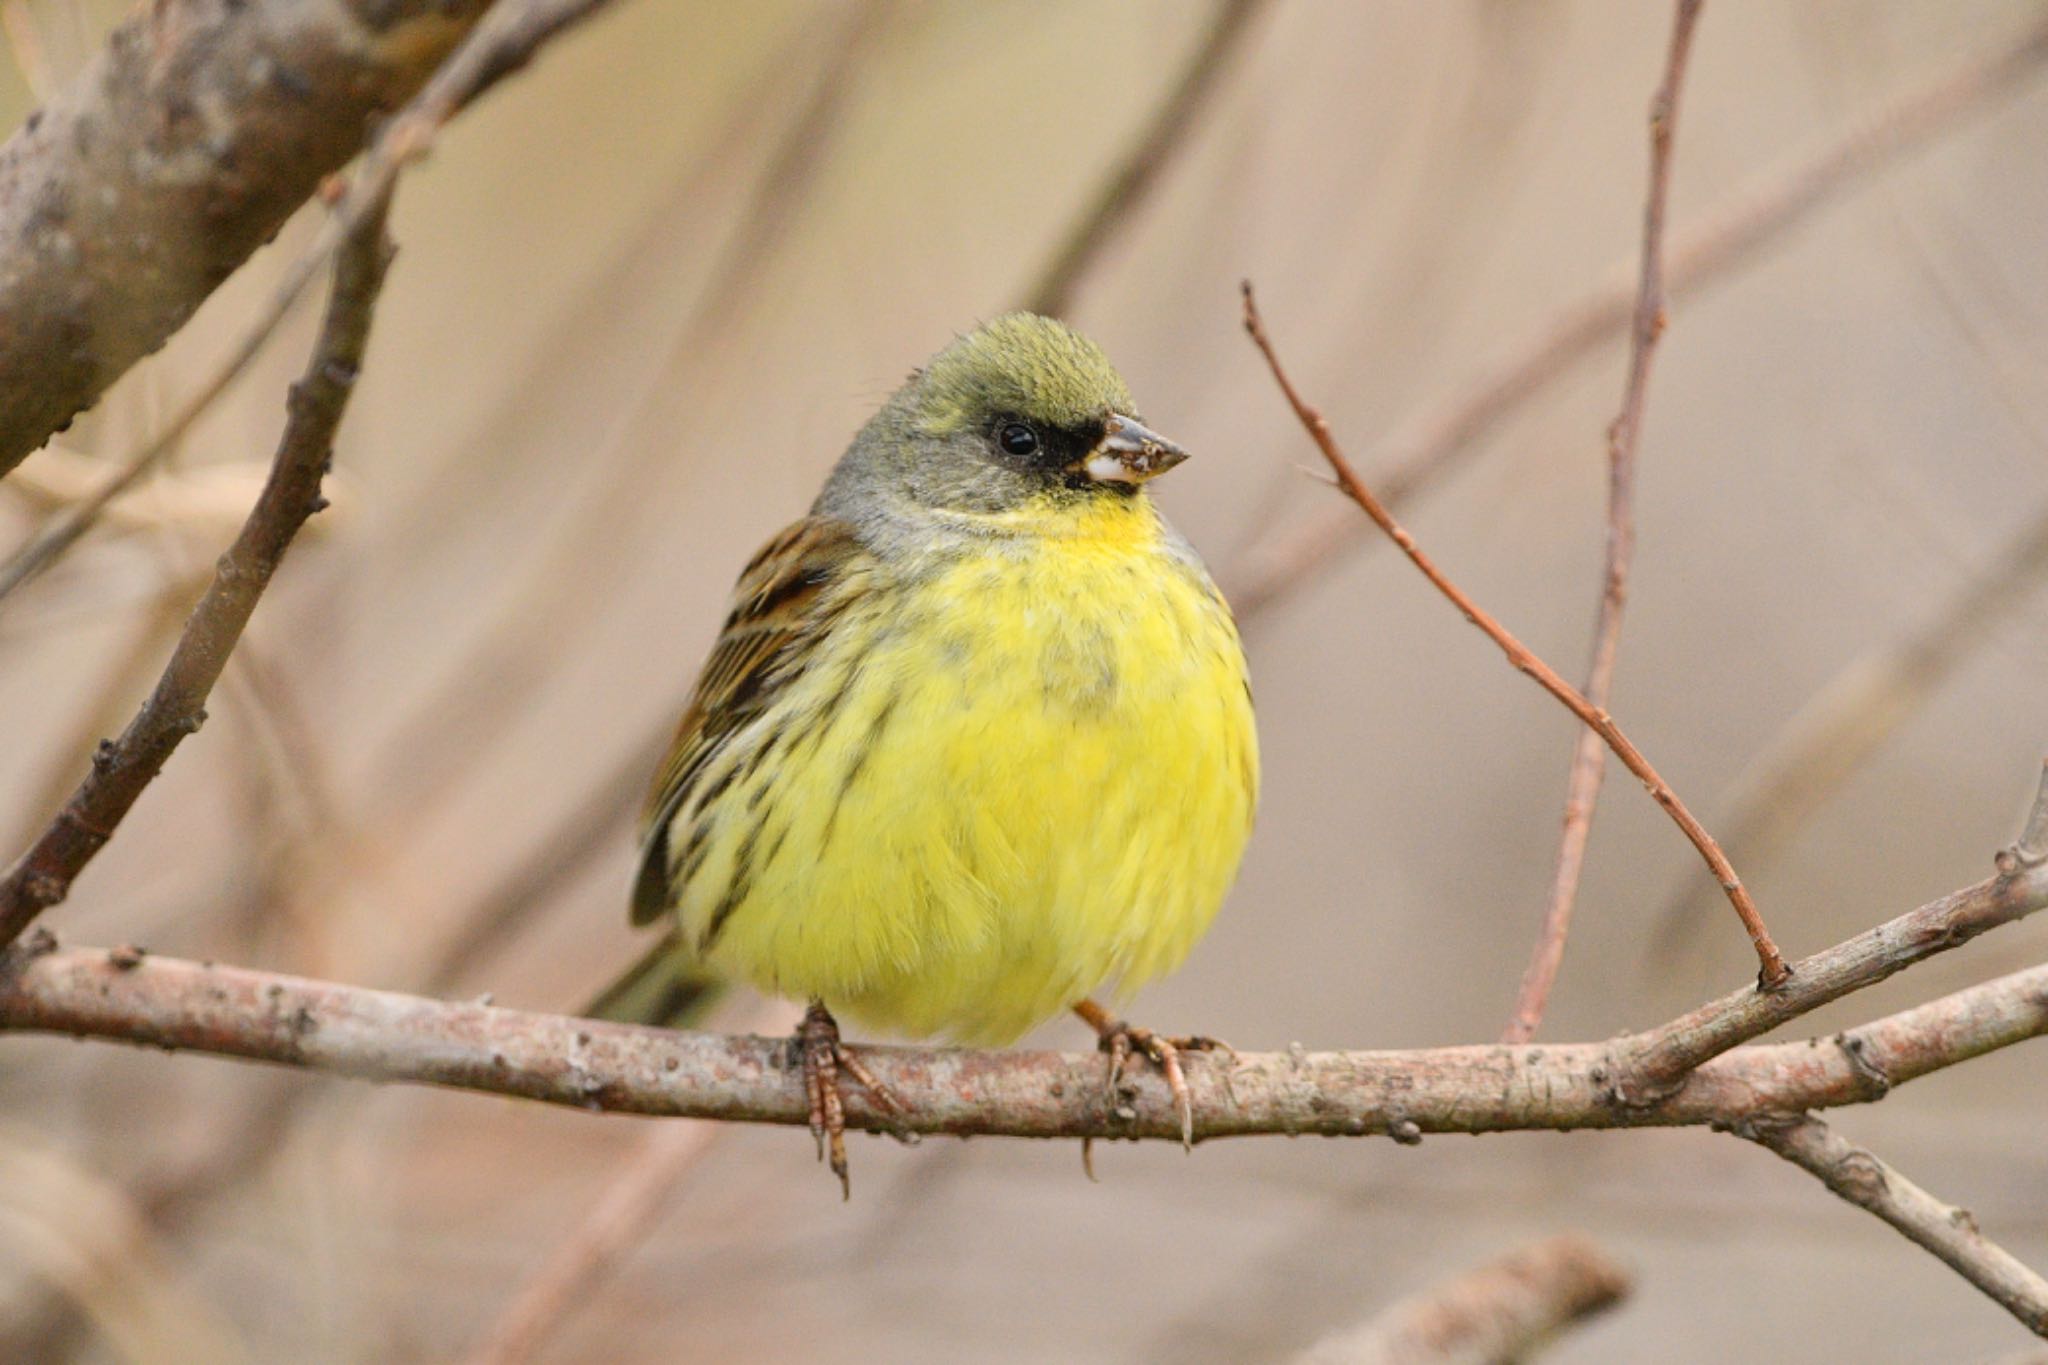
{"points": [[1122, 1040], [823, 1057]]}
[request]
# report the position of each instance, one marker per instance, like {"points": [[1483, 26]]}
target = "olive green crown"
{"points": [[1020, 365]]}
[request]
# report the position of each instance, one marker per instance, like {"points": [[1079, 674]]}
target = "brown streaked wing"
{"points": [[776, 615]]}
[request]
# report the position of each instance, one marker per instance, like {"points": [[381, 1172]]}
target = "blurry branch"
{"points": [[122, 768], [1424, 449], [555, 598], [1868, 1183], [1772, 970], [81, 1236], [178, 151], [1120, 197], [1851, 718], [615, 1224], [1498, 1311], [1624, 440], [203, 499], [500, 44]]}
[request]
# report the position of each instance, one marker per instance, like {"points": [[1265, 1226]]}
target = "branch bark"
{"points": [[1655, 1061], [178, 151], [1624, 440], [503, 42], [383, 1036], [1771, 963], [122, 768], [1949, 1232]]}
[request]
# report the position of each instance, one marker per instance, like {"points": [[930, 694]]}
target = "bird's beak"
{"points": [[1130, 453]]}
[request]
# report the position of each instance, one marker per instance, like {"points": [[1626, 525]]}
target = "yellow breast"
{"points": [[1015, 778]]}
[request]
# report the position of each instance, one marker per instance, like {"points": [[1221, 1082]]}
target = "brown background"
{"points": [[585, 405]]}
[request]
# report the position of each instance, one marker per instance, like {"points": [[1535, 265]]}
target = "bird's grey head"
{"points": [[1021, 409]]}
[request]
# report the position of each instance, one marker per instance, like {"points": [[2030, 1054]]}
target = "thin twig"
{"points": [[1425, 449], [1651, 1063], [1499, 1311], [1120, 197], [1949, 1232], [1849, 720], [1772, 970], [1624, 440], [122, 768], [501, 43]]}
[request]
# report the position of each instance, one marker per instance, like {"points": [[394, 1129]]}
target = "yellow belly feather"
{"points": [[1031, 774]]}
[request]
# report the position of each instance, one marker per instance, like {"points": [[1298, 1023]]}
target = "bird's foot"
{"points": [[1123, 1040], [823, 1057]]}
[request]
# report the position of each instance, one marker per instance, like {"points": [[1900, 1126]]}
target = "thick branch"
{"points": [[502, 43], [387, 1037], [122, 768], [177, 152], [1771, 963], [1947, 1231], [1501, 1310], [1624, 439]]}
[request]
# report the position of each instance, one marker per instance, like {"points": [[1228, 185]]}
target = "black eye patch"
{"points": [[1038, 445]]}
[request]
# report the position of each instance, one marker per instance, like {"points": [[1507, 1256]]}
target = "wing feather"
{"points": [[780, 607]]}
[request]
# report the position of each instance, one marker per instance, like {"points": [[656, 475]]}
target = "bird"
{"points": [[976, 740]]}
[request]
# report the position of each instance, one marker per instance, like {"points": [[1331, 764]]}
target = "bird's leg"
{"points": [[823, 1058], [1120, 1040]]}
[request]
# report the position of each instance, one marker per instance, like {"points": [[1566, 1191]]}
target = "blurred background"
{"points": [[646, 293]]}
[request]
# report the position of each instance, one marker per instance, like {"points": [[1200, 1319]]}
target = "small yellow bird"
{"points": [[976, 739]]}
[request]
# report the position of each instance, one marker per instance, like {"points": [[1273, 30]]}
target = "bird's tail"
{"points": [[663, 988]]}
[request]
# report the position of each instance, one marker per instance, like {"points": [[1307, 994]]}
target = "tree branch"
{"points": [[122, 768], [383, 1036], [1655, 1061], [1624, 439], [1772, 971], [1499, 1311], [1949, 1232], [502, 43], [180, 149]]}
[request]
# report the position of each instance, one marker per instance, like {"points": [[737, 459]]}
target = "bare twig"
{"points": [[1420, 452], [501, 43], [1949, 1232], [1498, 1311], [1656, 1060], [1120, 197], [389, 1037], [1772, 971], [1849, 720], [1624, 440], [122, 768]]}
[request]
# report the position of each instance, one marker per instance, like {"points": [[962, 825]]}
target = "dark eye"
{"points": [[1017, 438]]}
